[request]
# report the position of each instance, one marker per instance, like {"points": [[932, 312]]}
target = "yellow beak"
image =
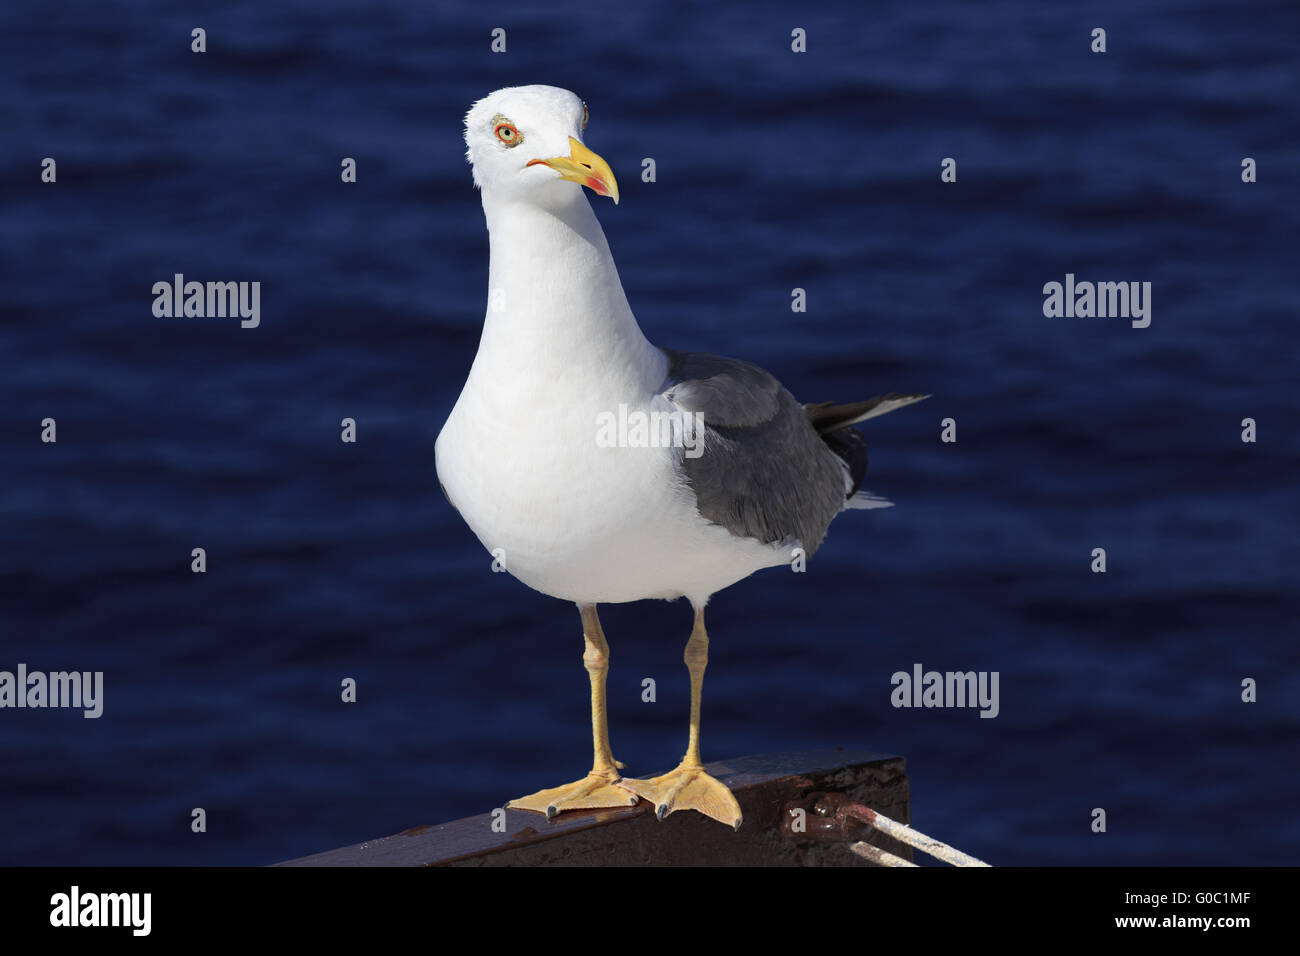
{"points": [[585, 168]]}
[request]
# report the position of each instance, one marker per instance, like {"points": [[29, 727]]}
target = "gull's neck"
{"points": [[556, 309]]}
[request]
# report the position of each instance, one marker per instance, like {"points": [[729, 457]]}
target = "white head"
{"points": [[525, 142]]}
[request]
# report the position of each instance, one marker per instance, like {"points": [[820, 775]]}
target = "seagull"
{"points": [[599, 468]]}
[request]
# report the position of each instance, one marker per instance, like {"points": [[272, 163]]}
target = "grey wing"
{"points": [[764, 472]]}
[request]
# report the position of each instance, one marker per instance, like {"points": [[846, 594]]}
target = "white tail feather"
{"points": [[888, 405], [865, 499]]}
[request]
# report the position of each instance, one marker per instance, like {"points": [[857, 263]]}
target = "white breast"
{"points": [[577, 521]]}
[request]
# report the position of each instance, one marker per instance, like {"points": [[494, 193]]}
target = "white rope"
{"points": [[878, 856], [913, 838]]}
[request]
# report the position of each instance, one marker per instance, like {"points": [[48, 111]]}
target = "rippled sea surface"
{"points": [[775, 170]]}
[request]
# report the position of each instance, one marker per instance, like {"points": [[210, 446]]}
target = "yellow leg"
{"points": [[596, 790], [688, 787]]}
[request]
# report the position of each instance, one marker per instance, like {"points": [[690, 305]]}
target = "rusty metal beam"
{"points": [[768, 787]]}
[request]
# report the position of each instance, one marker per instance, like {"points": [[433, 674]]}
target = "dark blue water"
{"points": [[775, 170]]}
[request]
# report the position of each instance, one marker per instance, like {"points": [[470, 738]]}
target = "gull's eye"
{"points": [[585, 116], [507, 132]]}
